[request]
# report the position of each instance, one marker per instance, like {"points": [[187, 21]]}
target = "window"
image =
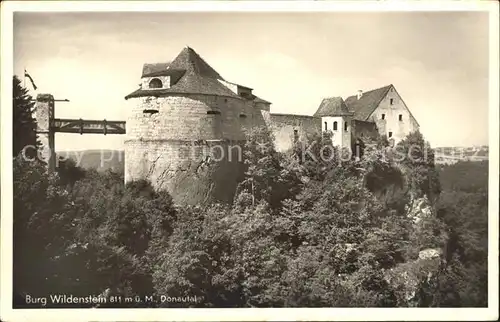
{"points": [[390, 134], [345, 126], [383, 116], [391, 101], [155, 83], [213, 112], [295, 135], [326, 126], [335, 126], [400, 117]]}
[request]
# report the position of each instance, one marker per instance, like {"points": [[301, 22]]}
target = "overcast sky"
{"points": [[437, 61]]}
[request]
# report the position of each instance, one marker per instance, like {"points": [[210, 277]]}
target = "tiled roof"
{"points": [[190, 83], [148, 69], [188, 59], [368, 102], [260, 100], [332, 106], [189, 74], [175, 74]]}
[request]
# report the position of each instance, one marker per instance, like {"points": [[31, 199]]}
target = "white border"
{"points": [[248, 314]]}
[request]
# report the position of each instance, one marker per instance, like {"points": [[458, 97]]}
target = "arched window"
{"points": [[335, 126], [345, 126], [155, 83], [326, 126]]}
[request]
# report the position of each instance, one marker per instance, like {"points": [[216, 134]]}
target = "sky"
{"points": [[438, 62]]}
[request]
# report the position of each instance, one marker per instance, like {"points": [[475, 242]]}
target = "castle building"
{"points": [[378, 112], [186, 129]]}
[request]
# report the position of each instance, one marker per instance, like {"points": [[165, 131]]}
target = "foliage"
{"points": [[307, 228], [417, 159], [86, 236], [24, 125], [463, 207]]}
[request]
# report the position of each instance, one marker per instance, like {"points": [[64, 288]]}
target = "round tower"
{"points": [[185, 131]]}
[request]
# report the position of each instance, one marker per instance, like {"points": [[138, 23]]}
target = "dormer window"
{"points": [[391, 101], [155, 83]]}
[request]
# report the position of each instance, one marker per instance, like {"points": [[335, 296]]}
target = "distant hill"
{"points": [[101, 160], [450, 155]]}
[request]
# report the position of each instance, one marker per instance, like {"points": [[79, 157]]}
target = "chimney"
{"points": [[360, 93]]}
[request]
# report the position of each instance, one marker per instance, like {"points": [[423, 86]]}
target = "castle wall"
{"points": [[284, 126], [179, 147], [363, 129], [392, 123]]}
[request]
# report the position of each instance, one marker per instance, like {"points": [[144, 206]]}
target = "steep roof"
{"points": [[368, 102], [190, 74], [332, 106], [188, 59], [149, 69]]}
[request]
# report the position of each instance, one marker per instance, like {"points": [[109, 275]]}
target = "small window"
{"points": [[390, 134], [155, 83], [335, 126], [150, 111], [295, 135], [243, 116], [400, 117], [213, 112], [391, 101], [383, 116], [326, 126], [345, 126]]}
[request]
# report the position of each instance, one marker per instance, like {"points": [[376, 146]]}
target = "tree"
{"points": [[265, 178], [24, 125], [417, 159]]}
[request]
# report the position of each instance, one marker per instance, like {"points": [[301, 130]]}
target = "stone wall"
{"points": [[286, 127], [44, 114], [179, 148], [193, 172]]}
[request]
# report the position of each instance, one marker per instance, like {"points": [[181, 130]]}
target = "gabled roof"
{"points": [[332, 106], [368, 102]]}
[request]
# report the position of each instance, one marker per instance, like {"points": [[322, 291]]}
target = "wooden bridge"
{"points": [[48, 125], [88, 126]]}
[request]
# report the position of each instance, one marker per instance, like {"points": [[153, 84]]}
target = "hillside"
{"points": [[101, 160]]}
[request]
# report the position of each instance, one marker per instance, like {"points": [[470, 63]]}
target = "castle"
{"points": [[185, 112]]}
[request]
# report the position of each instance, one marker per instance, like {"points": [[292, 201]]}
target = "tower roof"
{"points": [[332, 106], [189, 74], [189, 60]]}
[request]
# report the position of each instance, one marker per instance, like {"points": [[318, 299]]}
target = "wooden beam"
{"points": [[88, 126]]}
